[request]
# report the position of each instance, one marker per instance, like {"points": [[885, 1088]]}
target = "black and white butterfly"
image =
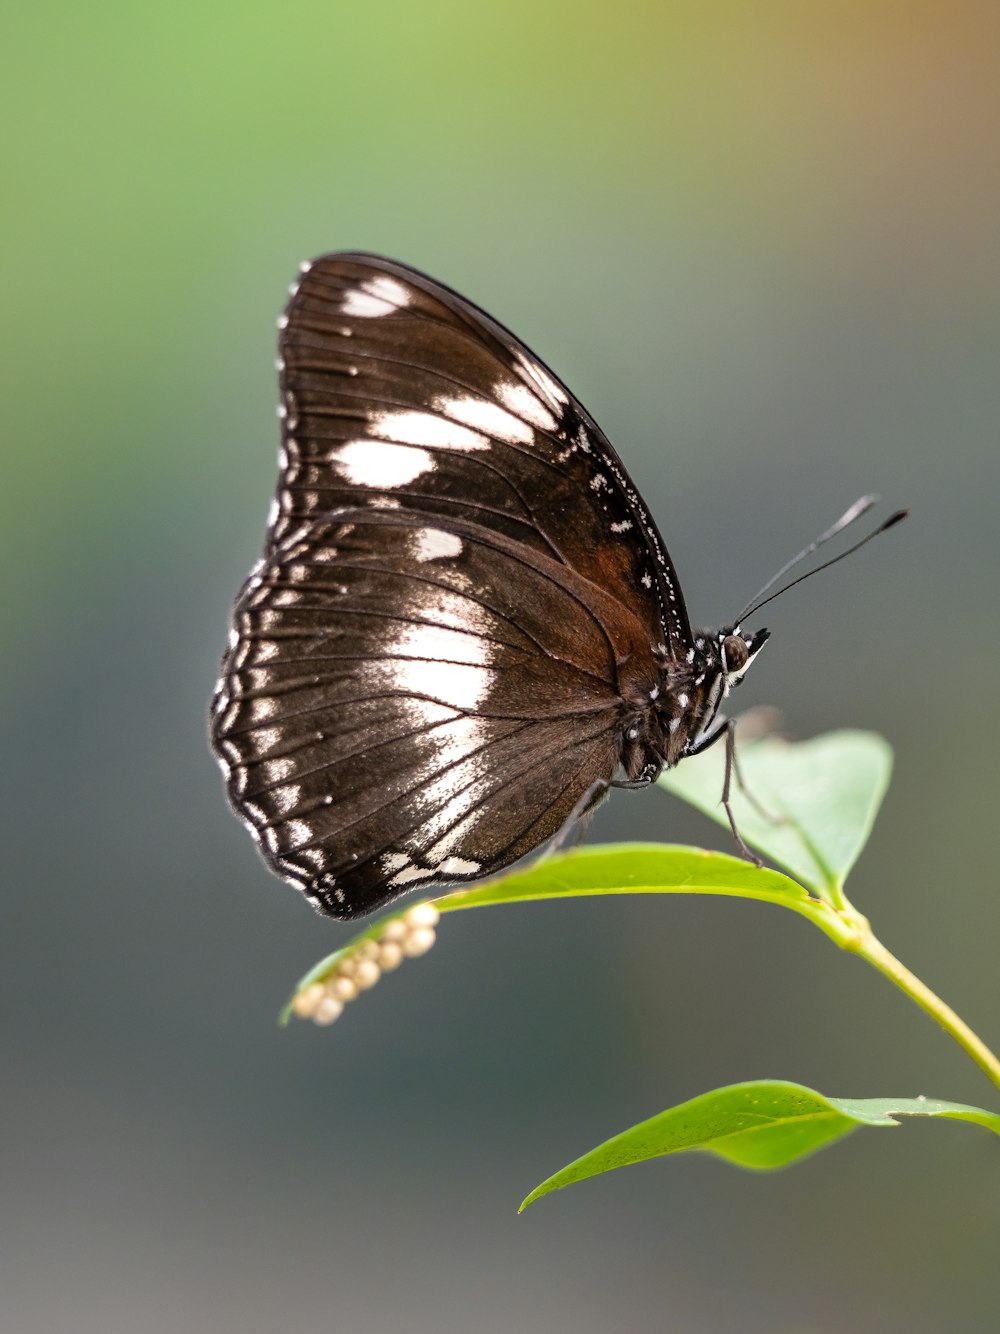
{"points": [[465, 624]]}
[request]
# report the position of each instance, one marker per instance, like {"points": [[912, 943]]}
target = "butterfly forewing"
{"points": [[460, 599], [396, 389]]}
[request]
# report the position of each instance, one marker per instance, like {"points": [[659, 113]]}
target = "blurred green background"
{"points": [[761, 243]]}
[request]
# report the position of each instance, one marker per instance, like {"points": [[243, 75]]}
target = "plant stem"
{"points": [[879, 957], [852, 932]]}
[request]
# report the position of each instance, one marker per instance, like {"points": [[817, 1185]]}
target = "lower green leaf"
{"points": [[762, 1125]]}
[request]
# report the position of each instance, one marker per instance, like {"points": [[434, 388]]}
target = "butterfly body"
{"points": [[464, 620]]}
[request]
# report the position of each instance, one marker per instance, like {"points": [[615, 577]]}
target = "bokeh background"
{"points": [[760, 241]]}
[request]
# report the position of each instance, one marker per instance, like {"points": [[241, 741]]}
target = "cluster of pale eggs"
{"points": [[401, 938]]}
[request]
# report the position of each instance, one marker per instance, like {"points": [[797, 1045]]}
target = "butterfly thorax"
{"points": [[681, 711]]}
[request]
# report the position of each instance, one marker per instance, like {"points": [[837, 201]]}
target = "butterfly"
{"points": [[465, 626]]}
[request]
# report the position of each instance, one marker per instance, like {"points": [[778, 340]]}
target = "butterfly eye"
{"points": [[735, 653]]}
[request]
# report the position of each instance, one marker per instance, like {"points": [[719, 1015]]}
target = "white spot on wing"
{"points": [[376, 296], [287, 798], [552, 391], [424, 428], [361, 303], [388, 289], [278, 770], [488, 417], [435, 544], [460, 787], [520, 400], [443, 850], [411, 873], [254, 813], [458, 866], [299, 831], [445, 665], [314, 857], [371, 463]]}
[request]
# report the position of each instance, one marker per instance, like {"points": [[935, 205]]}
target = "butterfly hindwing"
{"points": [[408, 704]]}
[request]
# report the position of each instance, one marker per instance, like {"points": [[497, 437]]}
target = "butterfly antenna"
{"points": [[860, 507]]}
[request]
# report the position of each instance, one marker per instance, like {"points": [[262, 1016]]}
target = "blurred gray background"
{"points": [[761, 244]]}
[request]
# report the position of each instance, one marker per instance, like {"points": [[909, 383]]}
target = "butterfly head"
{"points": [[736, 651], [719, 661]]}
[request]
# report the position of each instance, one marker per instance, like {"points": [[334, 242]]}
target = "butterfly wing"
{"points": [[397, 390], [459, 599], [405, 703]]}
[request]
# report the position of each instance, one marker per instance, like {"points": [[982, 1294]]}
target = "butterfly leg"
{"points": [[728, 726], [753, 799], [731, 768], [579, 817]]}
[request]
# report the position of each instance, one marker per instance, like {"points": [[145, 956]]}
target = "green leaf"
{"points": [[654, 868], [618, 868], [827, 792], [762, 1125], [633, 868]]}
